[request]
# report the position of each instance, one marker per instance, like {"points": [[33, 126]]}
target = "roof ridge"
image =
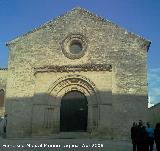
{"points": [[70, 11]]}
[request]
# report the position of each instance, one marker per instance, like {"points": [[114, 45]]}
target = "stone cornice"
{"points": [[75, 68]]}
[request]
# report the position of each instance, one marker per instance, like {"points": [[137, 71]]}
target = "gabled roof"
{"points": [[80, 10]]}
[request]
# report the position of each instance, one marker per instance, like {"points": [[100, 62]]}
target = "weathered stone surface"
{"points": [[116, 98], [3, 78], [3, 81]]}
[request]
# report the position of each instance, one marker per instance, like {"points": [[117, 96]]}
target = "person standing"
{"points": [[133, 136], [4, 125], [141, 137], [1, 126], [150, 137], [157, 136]]}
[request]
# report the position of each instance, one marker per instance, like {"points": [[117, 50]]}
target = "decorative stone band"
{"points": [[3, 68], [75, 68]]}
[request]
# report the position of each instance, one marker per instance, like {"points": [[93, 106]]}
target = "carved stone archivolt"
{"points": [[72, 82], [82, 84]]}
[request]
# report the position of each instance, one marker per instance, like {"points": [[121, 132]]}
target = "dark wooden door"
{"points": [[73, 112]]}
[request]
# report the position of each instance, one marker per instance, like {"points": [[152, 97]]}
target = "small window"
{"points": [[1, 98]]}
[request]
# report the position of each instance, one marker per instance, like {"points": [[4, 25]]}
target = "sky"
{"points": [[139, 16]]}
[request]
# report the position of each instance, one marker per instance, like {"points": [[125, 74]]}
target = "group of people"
{"points": [[143, 136]]}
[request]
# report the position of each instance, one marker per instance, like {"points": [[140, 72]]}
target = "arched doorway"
{"points": [[73, 112]]}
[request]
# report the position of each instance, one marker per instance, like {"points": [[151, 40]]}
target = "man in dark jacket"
{"points": [[157, 136], [141, 137], [133, 136]]}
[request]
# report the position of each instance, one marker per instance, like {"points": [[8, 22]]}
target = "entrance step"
{"points": [[66, 135], [71, 135]]}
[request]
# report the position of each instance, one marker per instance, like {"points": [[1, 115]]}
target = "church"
{"points": [[77, 73]]}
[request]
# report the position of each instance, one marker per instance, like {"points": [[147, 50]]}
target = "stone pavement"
{"points": [[64, 145]]}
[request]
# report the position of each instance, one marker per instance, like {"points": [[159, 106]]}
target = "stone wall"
{"points": [[106, 44], [3, 82]]}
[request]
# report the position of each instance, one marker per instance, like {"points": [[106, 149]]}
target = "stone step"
{"points": [[66, 135]]}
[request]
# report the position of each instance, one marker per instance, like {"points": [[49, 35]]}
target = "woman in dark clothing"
{"points": [[157, 136]]}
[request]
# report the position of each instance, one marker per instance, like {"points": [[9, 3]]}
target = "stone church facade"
{"points": [[76, 73]]}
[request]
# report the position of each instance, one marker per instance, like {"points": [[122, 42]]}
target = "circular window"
{"points": [[74, 46]]}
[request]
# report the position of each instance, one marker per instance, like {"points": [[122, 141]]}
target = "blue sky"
{"points": [[139, 16]]}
